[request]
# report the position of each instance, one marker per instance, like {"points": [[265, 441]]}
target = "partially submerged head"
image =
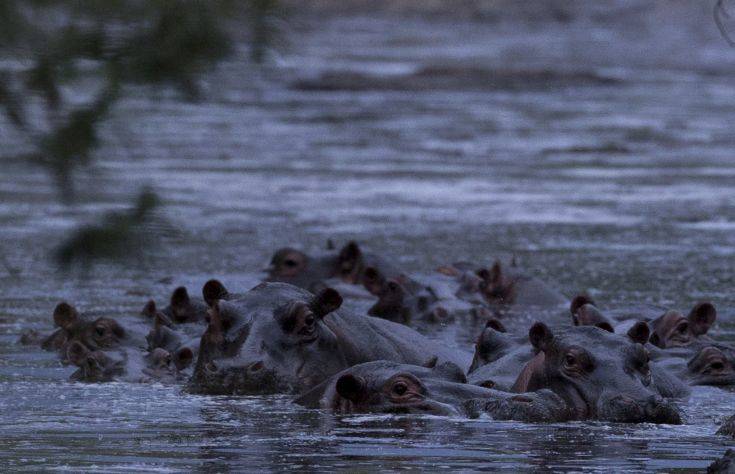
{"points": [[599, 375], [585, 313], [273, 340], [672, 329]]}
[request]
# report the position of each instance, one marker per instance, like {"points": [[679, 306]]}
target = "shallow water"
{"points": [[615, 178]]}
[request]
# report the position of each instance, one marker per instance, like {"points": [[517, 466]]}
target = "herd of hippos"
{"points": [[342, 330]]}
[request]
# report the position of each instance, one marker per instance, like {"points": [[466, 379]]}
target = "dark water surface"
{"points": [[599, 149]]}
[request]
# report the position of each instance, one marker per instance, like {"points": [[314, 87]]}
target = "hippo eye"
{"points": [[290, 263], [100, 330], [682, 328], [309, 320], [400, 388], [570, 360]]}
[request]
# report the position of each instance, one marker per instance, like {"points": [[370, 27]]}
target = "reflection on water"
{"points": [[620, 187]]}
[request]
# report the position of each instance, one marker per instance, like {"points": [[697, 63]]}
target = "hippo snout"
{"points": [[624, 409]]}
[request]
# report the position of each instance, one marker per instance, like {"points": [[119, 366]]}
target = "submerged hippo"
{"points": [[503, 285], [278, 338], [599, 375], [672, 329], [122, 365], [181, 308], [94, 334], [347, 265], [395, 303], [709, 364], [438, 389]]}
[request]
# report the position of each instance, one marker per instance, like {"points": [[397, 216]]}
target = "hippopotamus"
{"points": [[672, 329], [278, 338], [504, 285], [436, 389], [181, 308], [727, 428], [724, 465], [707, 364], [98, 333], [397, 304], [348, 265], [122, 365], [585, 313], [599, 375]]}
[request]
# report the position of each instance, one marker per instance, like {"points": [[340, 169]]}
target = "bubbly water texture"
{"points": [[594, 141]]}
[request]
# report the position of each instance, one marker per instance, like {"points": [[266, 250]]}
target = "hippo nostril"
{"points": [[211, 367], [717, 366]]}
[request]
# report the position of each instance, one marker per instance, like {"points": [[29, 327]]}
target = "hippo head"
{"points": [[585, 313], [183, 309], [350, 263], [390, 387], [392, 303], [492, 344], [495, 286], [101, 333], [711, 366], [599, 375], [672, 329], [272, 340], [94, 365], [293, 266]]}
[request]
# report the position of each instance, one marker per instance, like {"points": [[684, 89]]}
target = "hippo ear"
{"points": [[180, 297], [351, 387], [605, 326], [77, 353], [701, 318], [214, 290], [325, 302], [149, 310], [65, 315], [349, 256], [495, 324], [183, 358], [484, 274], [431, 363], [496, 272], [639, 332], [372, 280], [540, 336], [579, 301], [656, 341], [451, 371]]}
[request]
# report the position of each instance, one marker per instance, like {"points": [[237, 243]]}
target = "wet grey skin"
{"points": [[349, 265], [673, 329], [504, 284], [436, 389], [181, 309], [724, 465], [395, 303], [585, 313], [100, 333], [727, 428], [600, 375], [123, 365], [700, 364], [278, 338]]}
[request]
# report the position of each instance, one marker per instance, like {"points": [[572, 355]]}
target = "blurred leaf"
{"points": [[117, 236], [10, 101]]}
